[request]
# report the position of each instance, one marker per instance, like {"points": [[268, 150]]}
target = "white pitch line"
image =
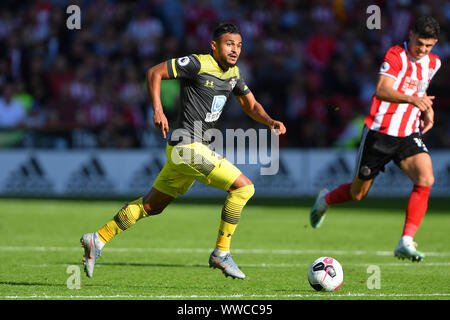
{"points": [[208, 250], [200, 250], [261, 265], [235, 296]]}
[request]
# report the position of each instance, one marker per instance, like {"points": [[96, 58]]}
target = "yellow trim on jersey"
{"points": [[210, 66], [174, 69]]}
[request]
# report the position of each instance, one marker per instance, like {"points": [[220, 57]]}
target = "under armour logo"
{"points": [[209, 84]]}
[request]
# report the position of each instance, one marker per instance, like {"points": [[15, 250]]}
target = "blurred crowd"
{"points": [[312, 64]]}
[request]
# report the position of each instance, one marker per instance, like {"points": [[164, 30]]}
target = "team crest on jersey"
{"points": [[232, 83], [183, 61]]}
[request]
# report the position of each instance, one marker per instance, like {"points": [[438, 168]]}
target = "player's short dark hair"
{"points": [[427, 27], [225, 28]]}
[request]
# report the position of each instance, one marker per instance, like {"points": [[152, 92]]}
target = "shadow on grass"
{"points": [[175, 265], [436, 204], [25, 283]]}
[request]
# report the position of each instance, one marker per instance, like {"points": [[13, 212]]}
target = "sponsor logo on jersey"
{"points": [[216, 108], [411, 84]]}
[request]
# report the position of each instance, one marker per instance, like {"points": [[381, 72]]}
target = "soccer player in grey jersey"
{"points": [[207, 80]]}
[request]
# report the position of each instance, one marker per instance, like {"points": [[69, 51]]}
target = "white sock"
{"points": [[220, 253], [98, 243], [406, 240]]}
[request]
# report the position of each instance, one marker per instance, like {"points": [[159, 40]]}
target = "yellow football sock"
{"points": [[231, 213], [124, 219]]}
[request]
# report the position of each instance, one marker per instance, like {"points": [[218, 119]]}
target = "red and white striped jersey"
{"points": [[411, 78]]}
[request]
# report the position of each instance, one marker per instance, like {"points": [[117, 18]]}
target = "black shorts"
{"points": [[378, 149]]}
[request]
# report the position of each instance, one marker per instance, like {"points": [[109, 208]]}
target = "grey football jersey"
{"points": [[205, 88]]}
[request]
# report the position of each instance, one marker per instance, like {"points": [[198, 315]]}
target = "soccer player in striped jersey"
{"points": [[401, 113], [207, 80]]}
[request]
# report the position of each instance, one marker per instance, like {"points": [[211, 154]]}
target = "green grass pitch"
{"points": [[165, 257]]}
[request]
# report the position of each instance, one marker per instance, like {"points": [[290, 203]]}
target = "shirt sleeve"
{"points": [[183, 68], [437, 65], [241, 87], [392, 64]]}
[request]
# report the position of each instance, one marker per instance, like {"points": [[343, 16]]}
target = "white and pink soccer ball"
{"points": [[326, 274]]}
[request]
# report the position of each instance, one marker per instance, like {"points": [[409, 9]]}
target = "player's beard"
{"points": [[223, 59]]}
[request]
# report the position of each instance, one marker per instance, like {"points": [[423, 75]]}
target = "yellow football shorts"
{"points": [[190, 162]]}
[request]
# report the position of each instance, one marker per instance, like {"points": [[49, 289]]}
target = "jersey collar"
{"points": [[218, 64]]}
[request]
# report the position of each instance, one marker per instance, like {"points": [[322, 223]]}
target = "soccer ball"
{"points": [[326, 274]]}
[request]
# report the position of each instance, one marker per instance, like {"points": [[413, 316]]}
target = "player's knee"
{"points": [[243, 193], [358, 196], [154, 203], [235, 201], [427, 181], [248, 191], [430, 181], [153, 210]]}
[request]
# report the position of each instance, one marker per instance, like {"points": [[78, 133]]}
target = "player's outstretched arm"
{"points": [[154, 77], [385, 91], [255, 111]]}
